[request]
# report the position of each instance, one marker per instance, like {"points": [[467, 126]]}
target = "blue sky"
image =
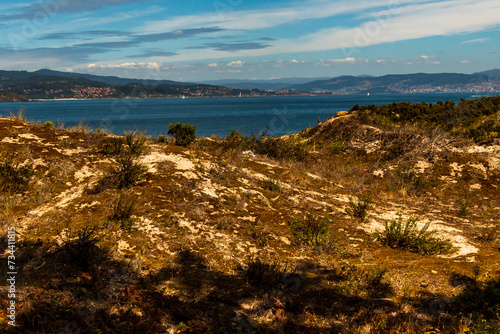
{"points": [[195, 40]]}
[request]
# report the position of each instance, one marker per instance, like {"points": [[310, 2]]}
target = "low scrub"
{"points": [[406, 235], [266, 273], [122, 210], [127, 171], [359, 209], [80, 248], [184, 134], [14, 176], [274, 184], [313, 231]]}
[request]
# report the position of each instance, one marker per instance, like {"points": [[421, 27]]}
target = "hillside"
{"points": [[299, 234], [404, 84], [11, 97], [46, 84]]}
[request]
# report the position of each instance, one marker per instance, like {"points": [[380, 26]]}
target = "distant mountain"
{"points": [[48, 84], [403, 83], [491, 73], [273, 84], [110, 80]]}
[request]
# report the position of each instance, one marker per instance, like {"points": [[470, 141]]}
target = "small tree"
{"points": [[184, 134]]}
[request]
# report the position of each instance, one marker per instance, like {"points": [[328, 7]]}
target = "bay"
{"points": [[281, 115]]}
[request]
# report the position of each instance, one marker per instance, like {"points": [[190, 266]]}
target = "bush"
{"points": [[14, 176], [49, 124], [161, 139], [127, 171], [463, 207], [360, 208], [336, 147], [113, 146], [122, 210], [184, 134], [407, 236], [81, 246], [274, 184], [313, 231], [279, 148], [263, 273]]}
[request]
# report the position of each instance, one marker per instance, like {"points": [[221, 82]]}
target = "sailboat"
{"points": [[183, 97], [368, 94], [240, 94]]}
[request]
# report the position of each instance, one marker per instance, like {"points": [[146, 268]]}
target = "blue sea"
{"points": [[282, 115]]}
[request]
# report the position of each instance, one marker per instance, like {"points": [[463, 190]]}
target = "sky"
{"points": [[195, 40]]}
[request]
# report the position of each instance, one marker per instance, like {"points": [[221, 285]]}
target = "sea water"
{"points": [[280, 115]]}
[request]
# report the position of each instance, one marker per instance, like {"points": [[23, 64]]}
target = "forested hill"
{"points": [[404, 84], [40, 86]]}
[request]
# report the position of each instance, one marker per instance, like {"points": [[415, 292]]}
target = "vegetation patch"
{"points": [[359, 208], [266, 273], [122, 210], [184, 134], [14, 176], [127, 171], [406, 235], [313, 231]]}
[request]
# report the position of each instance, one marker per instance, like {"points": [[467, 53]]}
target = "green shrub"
{"points": [[113, 146], [135, 144], [81, 248], [49, 124], [14, 176], [184, 134], [336, 147], [359, 209], [463, 207], [312, 231], [127, 173], [161, 139], [274, 184], [126, 170], [372, 279], [407, 236], [263, 273], [122, 209], [279, 148]]}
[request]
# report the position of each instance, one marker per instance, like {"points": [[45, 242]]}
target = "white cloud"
{"points": [[265, 18], [213, 65], [153, 66], [465, 61], [478, 40], [236, 63], [409, 22]]}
